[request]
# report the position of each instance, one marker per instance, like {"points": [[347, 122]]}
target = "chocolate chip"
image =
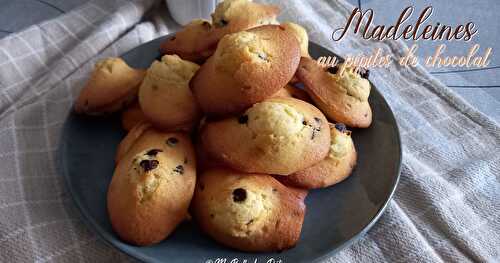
{"points": [[333, 70], [364, 73], [179, 169], [172, 39], [172, 141], [314, 131], [149, 165], [224, 22], [239, 195], [243, 119], [153, 152], [340, 127]]}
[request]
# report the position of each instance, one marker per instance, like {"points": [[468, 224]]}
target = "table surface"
{"points": [[480, 87]]}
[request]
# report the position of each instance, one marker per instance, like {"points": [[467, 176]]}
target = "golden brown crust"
{"points": [[204, 161], [277, 136], [129, 140], [249, 212], [165, 96], [294, 80], [331, 94], [289, 91], [187, 42], [152, 187], [336, 167], [132, 116], [301, 34], [111, 87], [228, 84]]}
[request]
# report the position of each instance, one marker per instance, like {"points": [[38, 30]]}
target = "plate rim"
{"points": [[103, 234]]}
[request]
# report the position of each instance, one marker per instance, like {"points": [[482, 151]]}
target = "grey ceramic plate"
{"points": [[335, 216]]}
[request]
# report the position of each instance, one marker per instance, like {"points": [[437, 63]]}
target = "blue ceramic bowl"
{"points": [[335, 216]]}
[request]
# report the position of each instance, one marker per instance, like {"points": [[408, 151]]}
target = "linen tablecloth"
{"points": [[446, 207]]}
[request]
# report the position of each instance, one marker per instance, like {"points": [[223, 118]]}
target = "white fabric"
{"points": [[446, 207]]}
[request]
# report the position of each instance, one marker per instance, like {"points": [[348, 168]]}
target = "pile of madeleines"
{"points": [[220, 131]]}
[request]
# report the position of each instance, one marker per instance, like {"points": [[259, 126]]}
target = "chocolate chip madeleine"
{"points": [[336, 167], [277, 136], [247, 67], [187, 42], [165, 96], [112, 86], [340, 92], [152, 187], [249, 212]]}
